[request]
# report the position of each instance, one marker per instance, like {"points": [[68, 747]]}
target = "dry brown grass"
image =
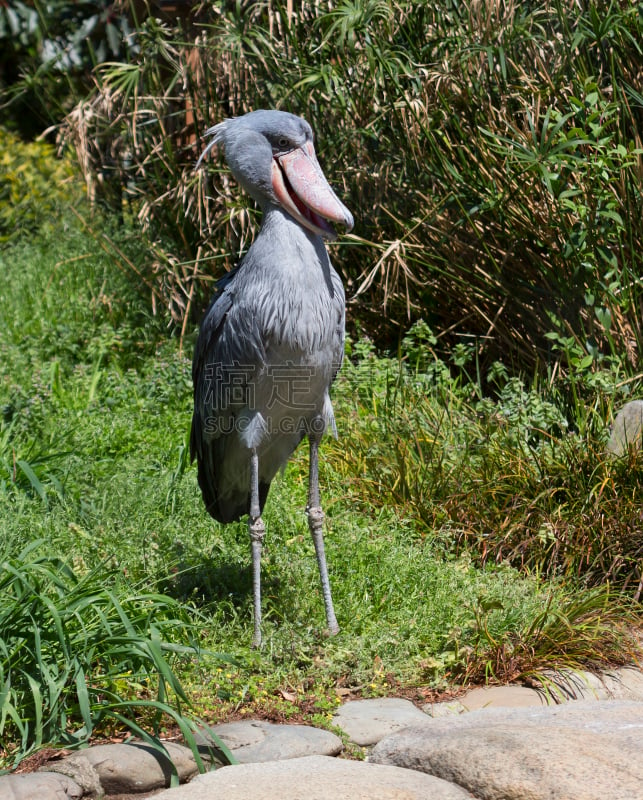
{"points": [[446, 131]]}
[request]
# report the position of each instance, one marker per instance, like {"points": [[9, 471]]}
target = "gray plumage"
{"points": [[272, 339]]}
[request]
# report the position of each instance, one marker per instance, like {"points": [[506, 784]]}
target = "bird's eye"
{"points": [[282, 142]]}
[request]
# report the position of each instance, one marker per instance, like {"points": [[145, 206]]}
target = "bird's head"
{"points": [[272, 155]]}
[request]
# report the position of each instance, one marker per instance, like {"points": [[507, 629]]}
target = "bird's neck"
{"points": [[279, 226], [277, 220], [286, 248]]}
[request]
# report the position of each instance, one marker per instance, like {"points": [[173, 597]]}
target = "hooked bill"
{"points": [[302, 189]]}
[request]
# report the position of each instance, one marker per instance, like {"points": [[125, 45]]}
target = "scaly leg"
{"points": [[315, 523], [257, 531]]}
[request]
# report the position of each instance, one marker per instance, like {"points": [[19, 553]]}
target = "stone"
{"points": [[78, 768], [39, 786], [365, 722], [627, 429], [255, 740], [579, 751], [621, 683], [512, 696], [314, 778], [625, 682], [446, 709], [566, 684], [137, 767], [559, 687]]}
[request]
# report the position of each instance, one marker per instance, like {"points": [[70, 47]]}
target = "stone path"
{"points": [[583, 751], [579, 741]]}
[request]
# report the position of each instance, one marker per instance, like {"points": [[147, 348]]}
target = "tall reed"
{"points": [[491, 152]]}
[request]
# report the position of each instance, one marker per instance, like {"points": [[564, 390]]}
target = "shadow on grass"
{"points": [[215, 580]]}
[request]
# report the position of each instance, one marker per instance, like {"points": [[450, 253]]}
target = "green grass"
{"points": [[96, 407], [79, 652], [514, 472]]}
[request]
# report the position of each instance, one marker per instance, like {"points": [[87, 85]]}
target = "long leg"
{"points": [[315, 523], [257, 530]]}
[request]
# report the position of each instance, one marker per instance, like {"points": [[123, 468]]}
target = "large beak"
{"points": [[303, 191]]}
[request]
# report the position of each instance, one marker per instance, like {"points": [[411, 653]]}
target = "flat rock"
{"points": [[135, 767], [579, 751], [565, 685], [446, 709], [315, 778], [255, 740], [512, 696], [365, 722], [625, 682], [627, 429], [39, 786], [560, 687], [79, 769]]}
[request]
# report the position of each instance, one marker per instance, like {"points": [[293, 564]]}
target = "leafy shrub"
{"points": [[521, 477], [46, 56], [33, 183]]}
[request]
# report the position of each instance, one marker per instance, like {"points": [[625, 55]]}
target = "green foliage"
{"points": [[493, 164], [47, 53], [33, 185], [82, 649], [580, 632], [521, 476], [466, 512], [32, 472], [76, 651]]}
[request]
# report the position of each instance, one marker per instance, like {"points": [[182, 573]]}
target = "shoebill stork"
{"points": [[272, 340]]}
